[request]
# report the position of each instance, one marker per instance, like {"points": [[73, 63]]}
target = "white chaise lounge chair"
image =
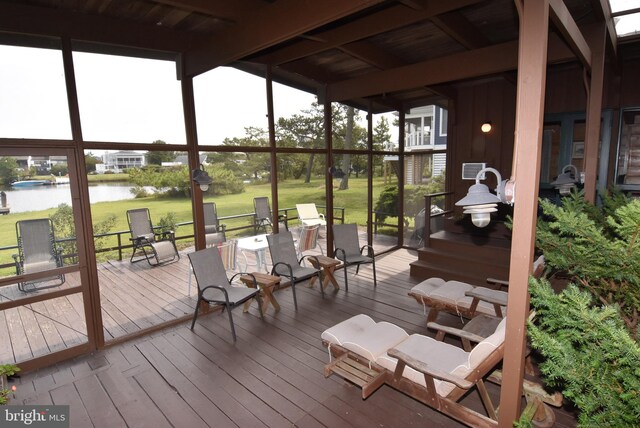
{"points": [[465, 299], [437, 374]]}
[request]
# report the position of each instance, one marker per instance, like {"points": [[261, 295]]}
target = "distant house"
{"points": [[425, 132], [42, 163], [119, 161]]}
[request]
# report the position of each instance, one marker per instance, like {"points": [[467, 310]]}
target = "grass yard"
{"points": [[290, 192]]}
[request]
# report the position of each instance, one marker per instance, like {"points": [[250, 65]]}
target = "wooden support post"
{"points": [[532, 64], [189, 108], [272, 153], [594, 113], [328, 139]]}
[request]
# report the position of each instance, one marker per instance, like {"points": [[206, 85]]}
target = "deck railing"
{"points": [[426, 236], [123, 244]]}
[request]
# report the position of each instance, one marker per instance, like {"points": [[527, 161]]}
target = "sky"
{"points": [[127, 99]]}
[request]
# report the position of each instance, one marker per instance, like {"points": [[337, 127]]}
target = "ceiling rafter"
{"points": [[565, 24], [459, 28], [228, 11], [92, 28], [479, 62], [387, 20], [372, 55], [274, 24]]}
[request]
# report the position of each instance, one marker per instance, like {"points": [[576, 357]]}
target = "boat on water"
{"points": [[30, 183], [59, 179]]}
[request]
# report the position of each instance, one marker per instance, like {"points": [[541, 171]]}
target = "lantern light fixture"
{"points": [[480, 202], [201, 178], [565, 181]]}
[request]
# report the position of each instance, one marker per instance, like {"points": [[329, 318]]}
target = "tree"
{"points": [[8, 170], [90, 160], [59, 169], [600, 251], [64, 226], [348, 143], [381, 140], [587, 353], [157, 157]]}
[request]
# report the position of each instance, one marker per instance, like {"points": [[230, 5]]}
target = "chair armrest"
{"points": [[370, 251], [15, 257], [344, 255], [273, 270], [320, 215], [456, 332], [498, 282], [140, 240], [169, 234], [255, 283], [496, 297], [427, 370], [224, 290]]}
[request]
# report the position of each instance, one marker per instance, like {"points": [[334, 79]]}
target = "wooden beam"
{"points": [[43, 21], [602, 10], [565, 24], [594, 114], [276, 23], [372, 55], [228, 11], [461, 29], [480, 62], [386, 20], [532, 71]]}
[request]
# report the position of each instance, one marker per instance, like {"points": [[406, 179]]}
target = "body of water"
{"points": [[44, 197]]}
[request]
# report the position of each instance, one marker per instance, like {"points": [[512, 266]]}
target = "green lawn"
{"points": [[290, 192]]}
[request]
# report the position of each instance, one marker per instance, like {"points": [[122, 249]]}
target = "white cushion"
{"points": [[439, 355], [376, 340], [347, 329], [453, 293], [363, 336]]}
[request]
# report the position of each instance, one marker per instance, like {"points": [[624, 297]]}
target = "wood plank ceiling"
{"points": [[389, 54]]}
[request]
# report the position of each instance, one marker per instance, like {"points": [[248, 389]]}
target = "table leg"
{"points": [[328, 276], [269, 297]]}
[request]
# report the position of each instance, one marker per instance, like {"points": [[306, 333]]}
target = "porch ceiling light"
{"points": [[486, 127], [480, 202], [565, 182], [201, 178]]}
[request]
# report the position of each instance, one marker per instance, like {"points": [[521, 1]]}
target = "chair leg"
{"points": [[375, 284], [259, 299], [233, 329], [346, 281], [320, 282], [293, 289], [195, 314]]}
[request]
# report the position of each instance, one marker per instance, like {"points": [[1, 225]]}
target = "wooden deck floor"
{"points": [[272, 376], [134, 297]]}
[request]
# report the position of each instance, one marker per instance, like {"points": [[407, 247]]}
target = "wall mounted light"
{"points": [[486, 127], [201, 178], [480, 202], [565, 181]]}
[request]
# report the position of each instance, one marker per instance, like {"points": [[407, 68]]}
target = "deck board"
{"points": [[271, 377]]}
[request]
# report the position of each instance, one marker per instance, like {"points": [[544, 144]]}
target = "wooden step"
{"points": [[463, 257], [473, 261], [421, 270]]}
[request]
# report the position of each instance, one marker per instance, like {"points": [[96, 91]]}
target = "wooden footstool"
{"points": [[267, 284], [328, 266]]}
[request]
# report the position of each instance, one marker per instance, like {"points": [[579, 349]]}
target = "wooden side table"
{"points": [[267, 284], [328, 266]]}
